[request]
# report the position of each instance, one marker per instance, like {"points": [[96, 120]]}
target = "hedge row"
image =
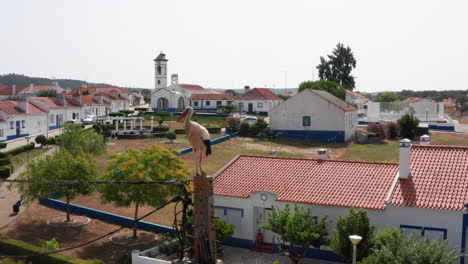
{"points": [[18, 150], [14, 247], [3, 145], [6, 169]]}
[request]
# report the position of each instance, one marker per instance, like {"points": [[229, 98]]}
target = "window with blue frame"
{"points": [[230, 215], [51, 119], [207, 103], [195, 103], [432, 233], [22, 123], [306, 120]]}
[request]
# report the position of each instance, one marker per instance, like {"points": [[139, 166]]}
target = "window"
{"points": [[241, 105], [365, 106], [51, 119], [195, 103], [207, 103], [22, 124], [218, 103], [259, 105], [159, 71], [431, 233], [230, 215], [12, 125], [1, 132], [306, 120], [229, 102], [159, 81]]}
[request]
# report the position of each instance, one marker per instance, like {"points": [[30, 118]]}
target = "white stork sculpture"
{"points": [[198, 137]]}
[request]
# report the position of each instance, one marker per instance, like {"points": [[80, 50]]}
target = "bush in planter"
{"points": [[41, 139], [161, 129], [244, 129], [171, 135]]}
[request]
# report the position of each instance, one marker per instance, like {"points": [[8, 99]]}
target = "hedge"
{"points": [[21, 149], [14, 247], [3, 145], [161, 129], [162, 134], [6, 171], [131, 136], [5, 161], [214, 130], [179, 131]]}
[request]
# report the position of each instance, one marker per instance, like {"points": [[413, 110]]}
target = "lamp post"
{"points": [[355, 239], [27, 155]]}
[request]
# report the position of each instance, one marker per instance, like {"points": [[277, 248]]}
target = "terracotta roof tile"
{"points": [[47, 101], [357, 95], [11, 108], [223, 96], [260, 94], [439, 179], [191, 87], [333, 99], [299, 180]]}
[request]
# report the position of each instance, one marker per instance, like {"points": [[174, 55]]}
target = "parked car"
{"points": [[74, 121], [89, 119], [249, 119]]}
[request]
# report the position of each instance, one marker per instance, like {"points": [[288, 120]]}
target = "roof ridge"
{"points": [[440, 146], [315, 159]]}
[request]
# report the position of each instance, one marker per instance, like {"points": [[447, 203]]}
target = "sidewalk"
{"points": [[8, 198], [18, 142]]}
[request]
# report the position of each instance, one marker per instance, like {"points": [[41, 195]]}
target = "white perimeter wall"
{"points": [[266, 105]]}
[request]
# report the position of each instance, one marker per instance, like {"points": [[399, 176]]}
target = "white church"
{"points": [[177, 96]]}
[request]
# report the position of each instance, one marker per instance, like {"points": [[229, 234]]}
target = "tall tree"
{"points": [[297, 229], [387, 97], [329, 86], [154, 163], [62, 165], [408, 124], [338, 67], [76, 139], [356, 222]]}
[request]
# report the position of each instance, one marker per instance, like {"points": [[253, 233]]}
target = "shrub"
{"points": [[376, 129], [392, 130], [161, 129], [50, 245], [51, 141], [124, 257], [408, 123], [19, 150], [161, 134], [179, 131], [41, 139], [5, 172], [3, 145], [244, 129], [264, 134], [162, 116], [356, 222], [116, 114], [259, 126], [5, 161], [171, 135]]}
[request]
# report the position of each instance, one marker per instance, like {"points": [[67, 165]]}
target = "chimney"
{"points": [[246, 89], [321, 153], [77, 98], [113, 94], [23, 105], [405, 158], [425, 140], [61, 100], [98, 98], [14, 90]]}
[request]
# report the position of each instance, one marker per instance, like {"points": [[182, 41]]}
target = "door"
{"points": [[250, 108], [18, 128], [57, 120], [262, 217]]}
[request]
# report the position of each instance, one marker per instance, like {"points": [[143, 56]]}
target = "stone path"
{"points": [[8, 198], [234, 255]]}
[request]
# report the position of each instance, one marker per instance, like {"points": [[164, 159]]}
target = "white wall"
{"points": [[213, 104], [28, 124], [351, 124], [266, 105], [324, 116]]}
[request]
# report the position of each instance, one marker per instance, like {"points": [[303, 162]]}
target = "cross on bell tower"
{"points": [[160, 69]]}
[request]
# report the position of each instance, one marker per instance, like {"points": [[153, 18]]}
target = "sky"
{"points": [[417, 45]]}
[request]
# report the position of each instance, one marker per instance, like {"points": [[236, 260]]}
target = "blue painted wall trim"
{"points": [[15, 136], [196, 114], [213, 142], [317, 135], [428, 228], [447, 128], [106, 216], [53, 127]]}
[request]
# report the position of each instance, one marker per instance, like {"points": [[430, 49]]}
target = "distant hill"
{"points": [[18, 79]]}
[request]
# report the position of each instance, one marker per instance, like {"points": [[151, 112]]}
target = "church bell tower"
{"points": [[160, 71]]}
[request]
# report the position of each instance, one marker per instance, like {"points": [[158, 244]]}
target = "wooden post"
{"points": [[204, 222]]}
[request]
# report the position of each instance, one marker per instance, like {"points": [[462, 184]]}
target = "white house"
{"points": [[258, 100], [316, 115], [359, 100], [20, 119], [59, 109], [210, 102], [424, 194], [23, 91]]}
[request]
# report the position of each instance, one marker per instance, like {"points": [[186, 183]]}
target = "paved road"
{"points": [[8, 198]]}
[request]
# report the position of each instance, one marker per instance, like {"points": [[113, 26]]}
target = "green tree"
{"points": [[47, 93], [392, 248], [259, 126], [127, 112], [231, 91], [356, 222], [62, 165], [154, 163], [85, 92], [223, 231], [171, 135], [408, 124], [298, 229], [338, 67], [163, 115], [329, 86], [244, 129], [41, 139], [461, 103], [115, 114], [387, 97], [76, 139]]}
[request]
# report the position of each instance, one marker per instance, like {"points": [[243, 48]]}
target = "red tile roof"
{"points": [[192, 87], [416, 99], [333, 99], [299, 180], [93, 90], [89, 100], [11, 108], [47, 101], [357, 95], [223, 96], [8, 90], [260, 94], [439, 179]]}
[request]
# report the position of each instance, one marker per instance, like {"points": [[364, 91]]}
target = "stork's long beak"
{"points": [[181, 116]]}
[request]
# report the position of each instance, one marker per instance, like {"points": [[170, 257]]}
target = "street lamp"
{"points": [[27, 156], [355, 239]]}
